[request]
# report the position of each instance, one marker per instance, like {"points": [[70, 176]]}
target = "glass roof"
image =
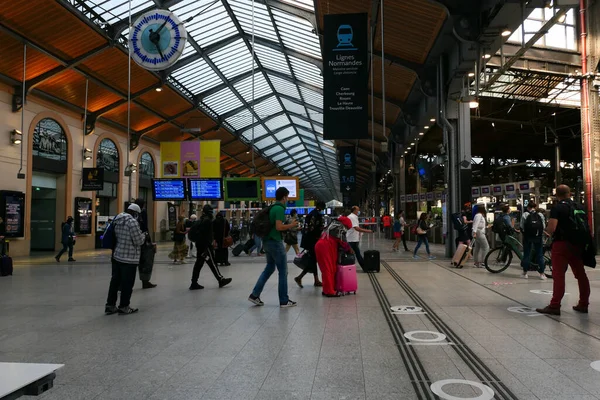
{"points": [[280, 105]]}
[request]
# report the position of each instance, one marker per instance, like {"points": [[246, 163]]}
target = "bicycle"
{"points": [[500, 258]]}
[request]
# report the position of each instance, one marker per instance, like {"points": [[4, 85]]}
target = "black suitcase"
{"points": [[249, 244], [372, 261], [6, 266], [237, 250]]}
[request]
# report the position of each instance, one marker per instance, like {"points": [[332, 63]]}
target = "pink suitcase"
{"points": [[345, 279]]}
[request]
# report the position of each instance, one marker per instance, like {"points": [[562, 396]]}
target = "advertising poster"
{"points": [[210, 159], [92, 179], [170, 157], [83, 215], [346, 76], [347, 161], [190, 159], [13, 212]]}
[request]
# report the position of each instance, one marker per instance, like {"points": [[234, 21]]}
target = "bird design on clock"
{"points": [[157, 40]]}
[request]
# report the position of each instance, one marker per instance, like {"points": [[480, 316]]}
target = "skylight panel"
{"points": [[268, 107], [263, 27], [212, 26], [285, 87], [259, 131], [223, 101], [272, 59], [293, 107], [306, 72], [240, 120], [113, 11], [297, 34], [266, 142], [272, 151], [261, 87], [197, 77], [233, 59], [301, 122], [285, 134], [311, 97], [277, 122]]}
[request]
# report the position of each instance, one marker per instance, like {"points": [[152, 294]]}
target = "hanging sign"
{"points": [[430, 196], [485, 191], [402, 198], [172, 216], [210, 159], [475, 192], [510, 188], [524, 187], [498, 190], [423, 197], [346, 76], [92, 179], [347, 161], [195, 159]]}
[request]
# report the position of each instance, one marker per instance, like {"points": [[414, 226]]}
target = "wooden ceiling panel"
{"points": [[235, 147], [391, 111], [140, 118], [51, 26], [222, 135], [111, 67], [11, 59], [167, 101], [398, 81], [341, 7], [411, 28], [167, 133], [70, 86]]}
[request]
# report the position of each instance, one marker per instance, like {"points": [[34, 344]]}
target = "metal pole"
{"points": [[585, 119], [23, 94], [383, 71], [372, 100], [84, 124], [129, 107], [252, 111]]}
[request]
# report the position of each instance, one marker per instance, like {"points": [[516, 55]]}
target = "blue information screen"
{"points": [[168, 189], [205, 189]]}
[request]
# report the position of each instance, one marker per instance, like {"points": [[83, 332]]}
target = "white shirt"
{"points": [[479, 224], [353, 235], [403, 223]]}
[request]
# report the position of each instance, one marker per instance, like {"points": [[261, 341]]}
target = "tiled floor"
{"points": [[213, 344]]}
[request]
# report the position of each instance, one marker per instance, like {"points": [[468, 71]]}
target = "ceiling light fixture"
{"points": [[486, 56], [421, 133], [471, 74], [16, 136], [87, 154], [432, 120], [506, 33], [562, 18], [158, 89], [426, 127]]}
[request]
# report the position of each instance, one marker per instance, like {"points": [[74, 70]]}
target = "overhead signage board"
{"points": [[271, 184], [346, 76], [92, 179], [168, 190], [205, 189], [347, 161]]}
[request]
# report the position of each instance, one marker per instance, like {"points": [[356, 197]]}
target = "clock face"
{"points": [[157, 40]]}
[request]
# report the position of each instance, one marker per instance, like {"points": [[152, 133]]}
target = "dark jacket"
{"points": [[206, 236], [66, 233], [423, 225], [220, 229], [314, 229], [143, 220]]}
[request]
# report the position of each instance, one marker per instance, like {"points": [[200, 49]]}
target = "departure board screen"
{"points": [[205, 189], [168, 190]]}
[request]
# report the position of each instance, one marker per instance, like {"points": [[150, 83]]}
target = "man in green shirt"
{"points": [[276, 256]]}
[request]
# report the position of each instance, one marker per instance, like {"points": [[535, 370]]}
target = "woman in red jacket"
{"points": [[326, 251]]}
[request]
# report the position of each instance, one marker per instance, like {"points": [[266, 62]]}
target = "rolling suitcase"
{"points": [[237, 250], [345, 279], [461, 256], [249, 244], [372, 261], [6, 266]]}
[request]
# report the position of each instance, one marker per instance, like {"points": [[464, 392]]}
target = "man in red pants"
{"points": [[326, 251], [565, 253]]}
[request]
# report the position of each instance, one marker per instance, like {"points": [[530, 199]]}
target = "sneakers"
{"points": [[416, 257], [543, 276], [224, 282], [548, 310], [298, 281], [432, 257], [289, 304], [580, 309], [57, 259], [127, 310], [524, 275], [196, 286], [110, 310], [72, 260], [148, 285], [256, 300]]}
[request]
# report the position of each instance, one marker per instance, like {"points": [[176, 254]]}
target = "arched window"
{"points": [[50, 147], [146, 165], [108, 156]]}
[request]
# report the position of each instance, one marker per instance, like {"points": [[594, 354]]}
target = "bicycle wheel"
{"points": [[498, 259], [548, 259]]}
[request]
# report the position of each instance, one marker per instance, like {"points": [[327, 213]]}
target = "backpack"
{"points": [[499, 225], [195, 232], [458, 222], [337, 230], [534, 226], [109, 239], [262, 221], [577, 230]]}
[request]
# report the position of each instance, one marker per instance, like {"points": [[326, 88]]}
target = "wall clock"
{"points": [[157, 38]]}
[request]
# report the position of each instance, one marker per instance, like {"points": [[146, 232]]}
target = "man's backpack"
{"points": [[195, 232], [499, 225], [577, 230], [534, 226], [458, 222], [262, 221], [109, 239]]}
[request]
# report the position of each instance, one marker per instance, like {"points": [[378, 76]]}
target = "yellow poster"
{"points": [[210, 159], [170, 159]]}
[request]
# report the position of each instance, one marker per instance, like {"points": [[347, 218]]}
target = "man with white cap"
{"points": [[126, 256]]}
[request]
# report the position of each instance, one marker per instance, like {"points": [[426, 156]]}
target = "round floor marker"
{"points": [[437, 388], [406, 309], [543, 291], [595, 365], [439, 337]]}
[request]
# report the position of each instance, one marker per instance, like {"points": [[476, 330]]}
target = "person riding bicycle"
{"points": [[532, 227], [503, 224]]}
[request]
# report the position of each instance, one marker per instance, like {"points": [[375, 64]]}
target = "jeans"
{"points": [[276, 257], [123, 277], [257, 245], [422, 239], [537, 247], [359, 258], [563, 255], [404, 234], [482, 247], [205, 253], [66, 245]]}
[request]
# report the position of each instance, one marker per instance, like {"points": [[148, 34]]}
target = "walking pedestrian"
{"points": [[353, 235], [566, 224], [397, 233], [146, 264], [125, 258], [180, 249], [327, 250], [422, 230], [276, 257], [532, 227], [315, 223], [188, 224], [202, 234], [257, 241], [387, 226], [481, 243], [291, 236], [403, 230], [221, 229], [66, 240]]}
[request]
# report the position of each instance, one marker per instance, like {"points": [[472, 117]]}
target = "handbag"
{"points": [[345, 258], [301, 260], [421, 231], [227, 241]]}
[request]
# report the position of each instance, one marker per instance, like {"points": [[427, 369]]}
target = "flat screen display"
{"points": [[168, 190], [205, 189], [242, 189], [271, 184], [13, 212]]}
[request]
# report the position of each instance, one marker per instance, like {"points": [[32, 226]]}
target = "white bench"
{"points": [[19, 379]]}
